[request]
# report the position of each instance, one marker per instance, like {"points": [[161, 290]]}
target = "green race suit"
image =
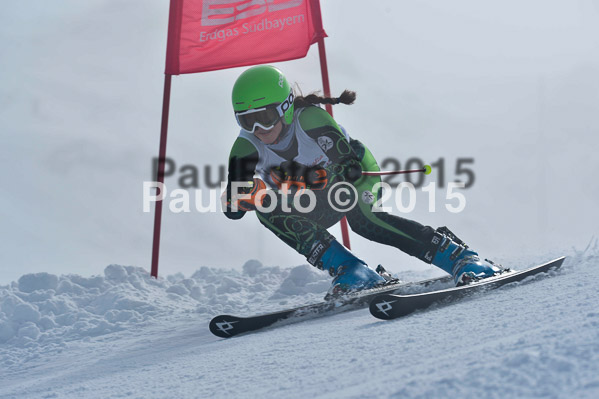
{"points": [[314, 138]]}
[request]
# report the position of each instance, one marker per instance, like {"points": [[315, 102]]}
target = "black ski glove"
{"points": [[299, 177]]}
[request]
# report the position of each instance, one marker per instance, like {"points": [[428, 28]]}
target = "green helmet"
{"points": [[262, 88]]}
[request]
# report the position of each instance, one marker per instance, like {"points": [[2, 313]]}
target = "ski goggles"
{"points": [[265, 117]]}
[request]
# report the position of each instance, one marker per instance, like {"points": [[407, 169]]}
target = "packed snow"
{"points": [[44, 312], [126, 334]]}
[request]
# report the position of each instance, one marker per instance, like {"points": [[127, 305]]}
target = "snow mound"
{"points": [[46, 310], [303, 280], [537, 339]]}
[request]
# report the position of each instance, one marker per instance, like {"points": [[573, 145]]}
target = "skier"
{"points": [[293, 144]]}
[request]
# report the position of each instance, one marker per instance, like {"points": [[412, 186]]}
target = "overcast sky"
{"points": [[513, 85]]}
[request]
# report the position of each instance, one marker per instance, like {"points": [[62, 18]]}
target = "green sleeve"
{"points": [[314, 117], [242, 160], [242, 167]]}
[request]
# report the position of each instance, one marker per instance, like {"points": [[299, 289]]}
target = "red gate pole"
{"points": [[324, 71], [327, 92], [160, 177]]}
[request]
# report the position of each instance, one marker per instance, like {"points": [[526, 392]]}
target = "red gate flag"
{"points": [[206, 35]]}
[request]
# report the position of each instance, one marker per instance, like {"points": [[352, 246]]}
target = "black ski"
{"points": [[390, 306], [227, 326]]}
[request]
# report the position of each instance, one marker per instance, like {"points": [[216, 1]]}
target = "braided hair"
{"points": [[347, 97]]}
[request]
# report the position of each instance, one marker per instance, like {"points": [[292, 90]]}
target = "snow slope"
{"points": [[125, 334]]}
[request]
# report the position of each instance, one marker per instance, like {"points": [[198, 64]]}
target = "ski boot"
{"points": [[349, 273], [453, 256]]}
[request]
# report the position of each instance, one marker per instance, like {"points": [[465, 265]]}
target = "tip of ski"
{"points": [[390, 306]]}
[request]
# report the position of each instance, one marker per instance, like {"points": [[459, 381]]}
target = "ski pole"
{"points": [[426, 170]]}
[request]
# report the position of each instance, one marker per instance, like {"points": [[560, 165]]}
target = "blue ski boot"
{"points": [[349, 273], [461, 262]]}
